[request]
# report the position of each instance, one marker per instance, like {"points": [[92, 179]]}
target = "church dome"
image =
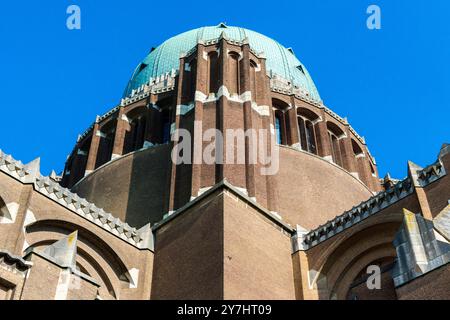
{"points": [[279, 60]]}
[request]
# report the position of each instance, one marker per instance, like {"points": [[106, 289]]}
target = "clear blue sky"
{"points": [[392, 84]]}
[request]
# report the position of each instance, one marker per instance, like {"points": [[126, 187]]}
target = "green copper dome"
{"points": [[279, 60]]}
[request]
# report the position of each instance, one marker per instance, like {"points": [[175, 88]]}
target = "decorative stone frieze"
{"points": [[52, 190], [358, 213]]}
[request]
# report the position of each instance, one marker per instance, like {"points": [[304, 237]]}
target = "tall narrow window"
{"points": [[278, 129], [307, 129], [138, 126], [302, 129], [213, 72], [136, 134], [336, 134], [81, 160], [372, 170], [281, 122], [234, 73], [311, 137], [253, 86], [336, 148], [165, 128], [192, 79], [106, 146]]}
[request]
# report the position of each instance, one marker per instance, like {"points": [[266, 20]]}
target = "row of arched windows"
{"points": [[308, 133], [144, 125], [234, 74], [135, 137], [159, 133]]}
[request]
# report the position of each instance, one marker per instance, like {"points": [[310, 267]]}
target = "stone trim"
{"points": [[275, 218], [359, 213], [431, 173], [71, 201], [17, 262], [418, 249], [442, 222], [262, 110], [159, 84], [372, 206]]}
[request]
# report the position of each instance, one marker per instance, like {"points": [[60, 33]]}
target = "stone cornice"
{"points": [[71, 201], [162, 83], [368, 208], [359, 213], [220, 186], [16, 261], [430, 173]]}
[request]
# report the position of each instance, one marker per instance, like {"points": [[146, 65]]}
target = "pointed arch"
{"points": [[307, 121], [234, 72], [281, 121], [94, 254]]}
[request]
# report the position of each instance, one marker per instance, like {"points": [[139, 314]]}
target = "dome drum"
{"points": [[224, 85]]}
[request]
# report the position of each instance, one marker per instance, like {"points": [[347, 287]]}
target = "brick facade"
{"points": [[221, 230]]}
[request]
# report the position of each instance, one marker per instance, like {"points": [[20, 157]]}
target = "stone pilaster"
{"points": [[363, 164], [294, 135], [268, 125], [420, 192], [303, 289], [121, 129], [348, 156], [93, 150], [323, 139], [175, 134], [222, 108], [200, 93], [248, 120]]}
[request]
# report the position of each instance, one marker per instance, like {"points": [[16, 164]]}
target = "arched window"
{"points": [[281, 122], [335, 133], [253, 84], [311, 137], [160, 119], [357, 151], [107, 134], [372, 170], [306, 123], [336, 149], [165, 127], [213, 72], [135, 137], [80, 160], [361, 162], [192, 79], [279, 126], [234, 73]]}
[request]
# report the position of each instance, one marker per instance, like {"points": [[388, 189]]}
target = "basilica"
{"points": [[124, 221]]}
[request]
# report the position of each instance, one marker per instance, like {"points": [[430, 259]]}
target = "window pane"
{"points": [[311, 137], [278, 129]]}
